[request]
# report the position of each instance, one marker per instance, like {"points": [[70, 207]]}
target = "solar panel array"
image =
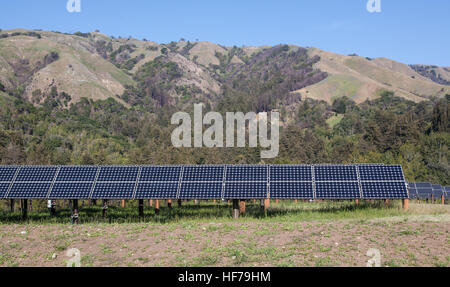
{"points": [[426, 190], [204, 182]]}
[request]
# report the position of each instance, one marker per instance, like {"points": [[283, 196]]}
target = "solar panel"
{"points": [[424, 193], [421, 185], [160, 173], [7, 173], [290, 173], [71, 190], [118, 173], [113, 190], [203, 173], [77, 173], [337, 190], [335, 173], [31, 190], [243, 190], [3, 189], [383, 190], [291, 190], [447, 188], [201, 190], [380, 172], [157, 190], [413, 193], [37, 173], [246, 173]]}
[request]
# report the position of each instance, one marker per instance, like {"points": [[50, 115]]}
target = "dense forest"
{"points": [[387, 130]]}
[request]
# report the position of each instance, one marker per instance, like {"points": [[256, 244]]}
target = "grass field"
{"points": [[289, 234]]}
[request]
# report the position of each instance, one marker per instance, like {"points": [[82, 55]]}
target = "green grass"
{"points": [[189, 213]]}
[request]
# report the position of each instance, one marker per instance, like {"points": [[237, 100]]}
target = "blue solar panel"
{"points": [[335, 173], [160, 173], [447, 188], [37, 173], [420, 185], [3, 189], [7, 173], [244, 190], [424, 193], [380, 172], [413, 193], [118, 173], [118, 190], [436, 186], [201, 190], [437, 193], [32, 190], [77, 173], [71, 190], [291, 190], [337, 190], [383, 190], [290, 173], [157, 190], [203, 173], [246, 173]]}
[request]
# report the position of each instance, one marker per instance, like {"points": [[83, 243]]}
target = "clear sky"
{"points": [[410, 31]]}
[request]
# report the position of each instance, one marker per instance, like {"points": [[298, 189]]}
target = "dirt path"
{"points": [[400, 241]]}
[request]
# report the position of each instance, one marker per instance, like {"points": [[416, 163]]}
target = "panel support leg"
{"points": [[386, 202], [242, 207], [105, 208], [169, 203], [122, 203], [179, 202], [141, 208], [24, 209], [235, 208], [11, 205], [356, 201], [75, 212], [150, 202], [405, 204], [442, 199], [266, 204], [156, 206]]}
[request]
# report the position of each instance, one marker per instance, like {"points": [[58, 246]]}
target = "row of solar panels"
{"points": [[203, 182], [426, 190]]}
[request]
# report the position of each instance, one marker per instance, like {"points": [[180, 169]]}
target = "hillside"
{"points": [[38, 65], [362, 78]]}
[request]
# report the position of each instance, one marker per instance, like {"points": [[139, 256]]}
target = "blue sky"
{"points": [[410, 31]]}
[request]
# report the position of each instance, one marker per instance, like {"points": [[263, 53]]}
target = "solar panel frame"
{"points": [[203, 173], [334, 173], [381, 173], [114, 190], [201, 190], [277, 173], [7, 173], [29, 190], [156, 190], [236, 173], [67, 190], [291, 190], [341, 190], [118, 173], [234, 190], [77, 173], [154, 173], [384, 190], [33, 173]]}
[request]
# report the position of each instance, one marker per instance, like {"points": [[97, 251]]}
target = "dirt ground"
{"points": [[408, 241]]}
